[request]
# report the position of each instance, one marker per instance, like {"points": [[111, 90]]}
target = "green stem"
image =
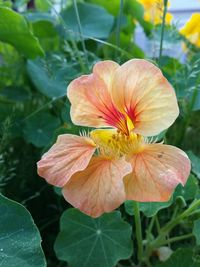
{"points": [[162, 30], [161, 239], [138, 230], [157, 224], [169, 226], [119, 23], [149, 230], [176, 239], [80, 30]]}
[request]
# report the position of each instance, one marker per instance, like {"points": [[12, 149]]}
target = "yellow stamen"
{"points": [[113, 143]]}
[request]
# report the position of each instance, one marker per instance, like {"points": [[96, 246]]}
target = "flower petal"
{"points": [[156, 172], [143, 93], [91, 103], [68, 155], [99, 188]]}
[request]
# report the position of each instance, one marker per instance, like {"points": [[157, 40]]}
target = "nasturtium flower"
{"points": [[153, 11], [98, 171], [191, 29]]}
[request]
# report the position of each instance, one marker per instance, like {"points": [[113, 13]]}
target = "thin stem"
{"points": [[80, 29], [138, 230], [176, 239], [157, 224], [149, 230], [161, 239], [119, 23], [169, 226], [79, 58], [162, 30]]}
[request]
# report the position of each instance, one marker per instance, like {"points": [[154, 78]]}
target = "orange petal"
{"points": [[143, 93], [99, 188], [91, 103], [156, 172], [68, 155]]}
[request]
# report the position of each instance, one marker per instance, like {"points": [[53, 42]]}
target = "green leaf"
{"points": [[43, 5], [15, 94], [181, 258], [5, 3], [95, 21], [148, 208], [188, 191], [20, 239], [14, 30], [195, 163], [112, 6], [84, 241], [50, 75], [39, 129], [196, 231]]}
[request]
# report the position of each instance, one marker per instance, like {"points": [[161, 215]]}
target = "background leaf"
{"points": [[195, 163], [95, 21], [50, 75], [20, 240], [189, 190], [39, 129], [84, 241]]}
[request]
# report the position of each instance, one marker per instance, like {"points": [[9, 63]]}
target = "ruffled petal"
{"points": [[156, 172], [143, 93], [99, 188], [105, 70], [91, 103], [67, 156]]}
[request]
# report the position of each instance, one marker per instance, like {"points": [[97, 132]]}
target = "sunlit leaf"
{"points": [[15, 31]]}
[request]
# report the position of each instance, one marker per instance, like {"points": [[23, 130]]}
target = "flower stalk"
{"points": [[138, 230], [162, 30]]}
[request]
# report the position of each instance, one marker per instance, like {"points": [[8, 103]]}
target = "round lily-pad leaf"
{"points": [[84, 241], [95, 20], [51, 75], [20, 241], [39, 129]]}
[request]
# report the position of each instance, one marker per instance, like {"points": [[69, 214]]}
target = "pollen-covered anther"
{"points": [[115, 144]]}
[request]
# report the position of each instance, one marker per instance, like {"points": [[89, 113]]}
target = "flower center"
{"points": [[113, 143]]}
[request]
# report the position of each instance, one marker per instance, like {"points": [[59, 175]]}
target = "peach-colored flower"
{"points": [[131, 102]]}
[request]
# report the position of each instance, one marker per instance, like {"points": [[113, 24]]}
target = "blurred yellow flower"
{"points": [[191, 30], [153, 11]]}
